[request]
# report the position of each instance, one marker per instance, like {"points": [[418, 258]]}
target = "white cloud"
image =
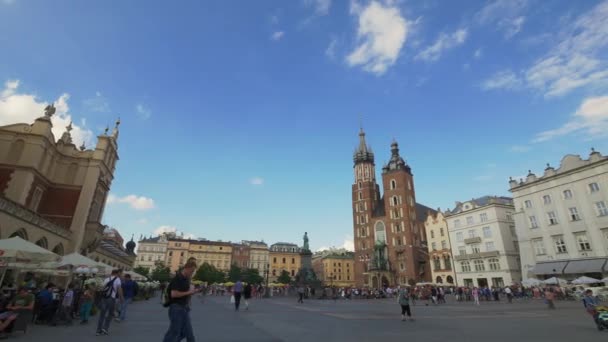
{"points": [[591, 119], [142, 111], [349, 243], [381, 33], [505, 79], [97, 103], [443, 42], [18, 107], [256, 181], [134, 201], [165, 229], [321, 6], [331, 48], [504, 15], [478, 53], [577, 60], [278, 35]]}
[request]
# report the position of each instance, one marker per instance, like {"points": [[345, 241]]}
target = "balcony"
{"points": [[476, 239], [476, 255]]}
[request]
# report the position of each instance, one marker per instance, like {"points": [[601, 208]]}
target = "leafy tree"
{"points": [[252, 276], [235, 273], [144, 271], [284, 278], [209, 273], [161, 273]]}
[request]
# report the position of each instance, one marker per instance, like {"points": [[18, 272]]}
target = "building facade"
{"points": [[258, 255], [438, 243], [335, 268], [51, 192], [484, 242], [562, 219], [215, 253], [389, 231], [151, 251], [113, 252], [284, 257], [240, 255]]}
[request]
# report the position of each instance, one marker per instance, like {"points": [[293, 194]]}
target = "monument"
{"points": [[306, 276]]}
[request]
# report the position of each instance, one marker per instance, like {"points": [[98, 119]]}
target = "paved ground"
{"points": [[282, 319]]}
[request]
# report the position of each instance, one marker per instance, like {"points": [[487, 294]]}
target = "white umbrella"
{"points": [[554, 281], [16, 252], [605, 280], [531, 282], [585, 280]]}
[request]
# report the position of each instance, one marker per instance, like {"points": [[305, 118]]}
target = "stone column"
{"points": [[81, 213]]}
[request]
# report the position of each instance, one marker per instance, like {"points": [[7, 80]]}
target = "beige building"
{"points": [[335, 268], [51, 192], [216, 253], [284, 257], [177, 253], [440, 252], [258, 255], [151, 251], [111, 251]]}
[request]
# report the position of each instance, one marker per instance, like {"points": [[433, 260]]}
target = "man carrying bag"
{"points": [[179, 292]]}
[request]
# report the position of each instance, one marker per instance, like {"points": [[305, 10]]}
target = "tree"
{"points": [[144, 271], [284, 278], [161, 273], [252, 276], [209, 274], [235, 273]]}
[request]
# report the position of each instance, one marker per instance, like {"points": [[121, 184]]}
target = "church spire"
{"points": [[363, 153]]}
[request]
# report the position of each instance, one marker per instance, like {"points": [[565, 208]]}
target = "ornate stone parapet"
{"points": [[33, 218]]}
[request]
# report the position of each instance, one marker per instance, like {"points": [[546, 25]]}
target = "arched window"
{"points": [[395, 200], [479, 265], [393, 184], [20, 233], [360, 195], [58, 249], [466, 266], [380, 231], [43, 243], [450, 280], [359, 185], [438, 280]]}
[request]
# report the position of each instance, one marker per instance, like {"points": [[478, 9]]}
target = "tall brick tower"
{"points": [[388, 229]]}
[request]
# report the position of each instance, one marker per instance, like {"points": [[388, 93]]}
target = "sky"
{"points": [[239, 118]]}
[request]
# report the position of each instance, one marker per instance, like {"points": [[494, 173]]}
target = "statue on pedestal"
{"points": [[305, 247]]}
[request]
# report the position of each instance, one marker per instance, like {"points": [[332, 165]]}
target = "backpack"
{"points": [[166, 300], [108, 289]]}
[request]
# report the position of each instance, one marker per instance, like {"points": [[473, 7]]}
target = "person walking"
{"points": [[550, 297], [404, 301], [237, 292], [590, 302], [247, 295], [179, 292], [509, 294], [475, 294], [301, 294], [112, 291], [129, 290], [86, 303]]}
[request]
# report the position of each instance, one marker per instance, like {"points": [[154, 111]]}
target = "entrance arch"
{"points": [[375, 282], [450, 280], [58, 249], [20, 233], [43, 243], [439, 280]]}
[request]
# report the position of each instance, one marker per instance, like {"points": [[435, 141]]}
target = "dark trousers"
{"points": [[105, 313], [180, 326], [300, 298], [237, 300], [405, 309]]}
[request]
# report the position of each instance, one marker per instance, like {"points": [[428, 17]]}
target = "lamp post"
{"points": [[266, 272]]}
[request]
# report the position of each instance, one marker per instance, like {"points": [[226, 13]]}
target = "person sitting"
{"points": [[22, 301], [6, 319]]}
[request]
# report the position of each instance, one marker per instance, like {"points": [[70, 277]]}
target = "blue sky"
{"points": [[239, 118]]}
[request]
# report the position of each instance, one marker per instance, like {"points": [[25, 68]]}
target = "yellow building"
{"points": [[438, 241], [218, 254], [177, 253], [284, 257], [335, 269]]}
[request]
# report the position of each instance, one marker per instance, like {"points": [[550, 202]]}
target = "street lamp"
{"points": [[266, 272]]}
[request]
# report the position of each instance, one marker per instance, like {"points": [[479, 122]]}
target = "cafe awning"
{"points": [[548, 268], [585, 266]]}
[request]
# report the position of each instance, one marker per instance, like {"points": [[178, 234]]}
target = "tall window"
{"points": [[552, 218], [483, 217], [395, 200], [567, 194], [490, 246], [574, 214], [472, 233], [359, 185], [469, 220], [466, 266], [547, 199], [393, 184], [533, 222], [36, 197], [479, 265], [459, 237], [560, 245], [539, 247], [494, 264], [360, 196], [432, 234], [437, 263], [441, 232], [528, 204], [487, 232], [447, 262], [462, 250], [457, 223], [594, 187], [601, 208], [380, 232], [434, 246], [583, 243], [475, 249], [444, 244]]}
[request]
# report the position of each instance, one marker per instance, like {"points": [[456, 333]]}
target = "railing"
{"points": [[32, 217], [477, 255], [476, 239]]}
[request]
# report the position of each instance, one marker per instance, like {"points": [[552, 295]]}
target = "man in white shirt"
{"points": [[112, 290], [509, 294]]}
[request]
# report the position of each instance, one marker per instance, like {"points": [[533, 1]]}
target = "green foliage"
{"points": [[144, 271], [284, 278], [209, 274], [252, 276], [161, 273], [235, 273]]}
